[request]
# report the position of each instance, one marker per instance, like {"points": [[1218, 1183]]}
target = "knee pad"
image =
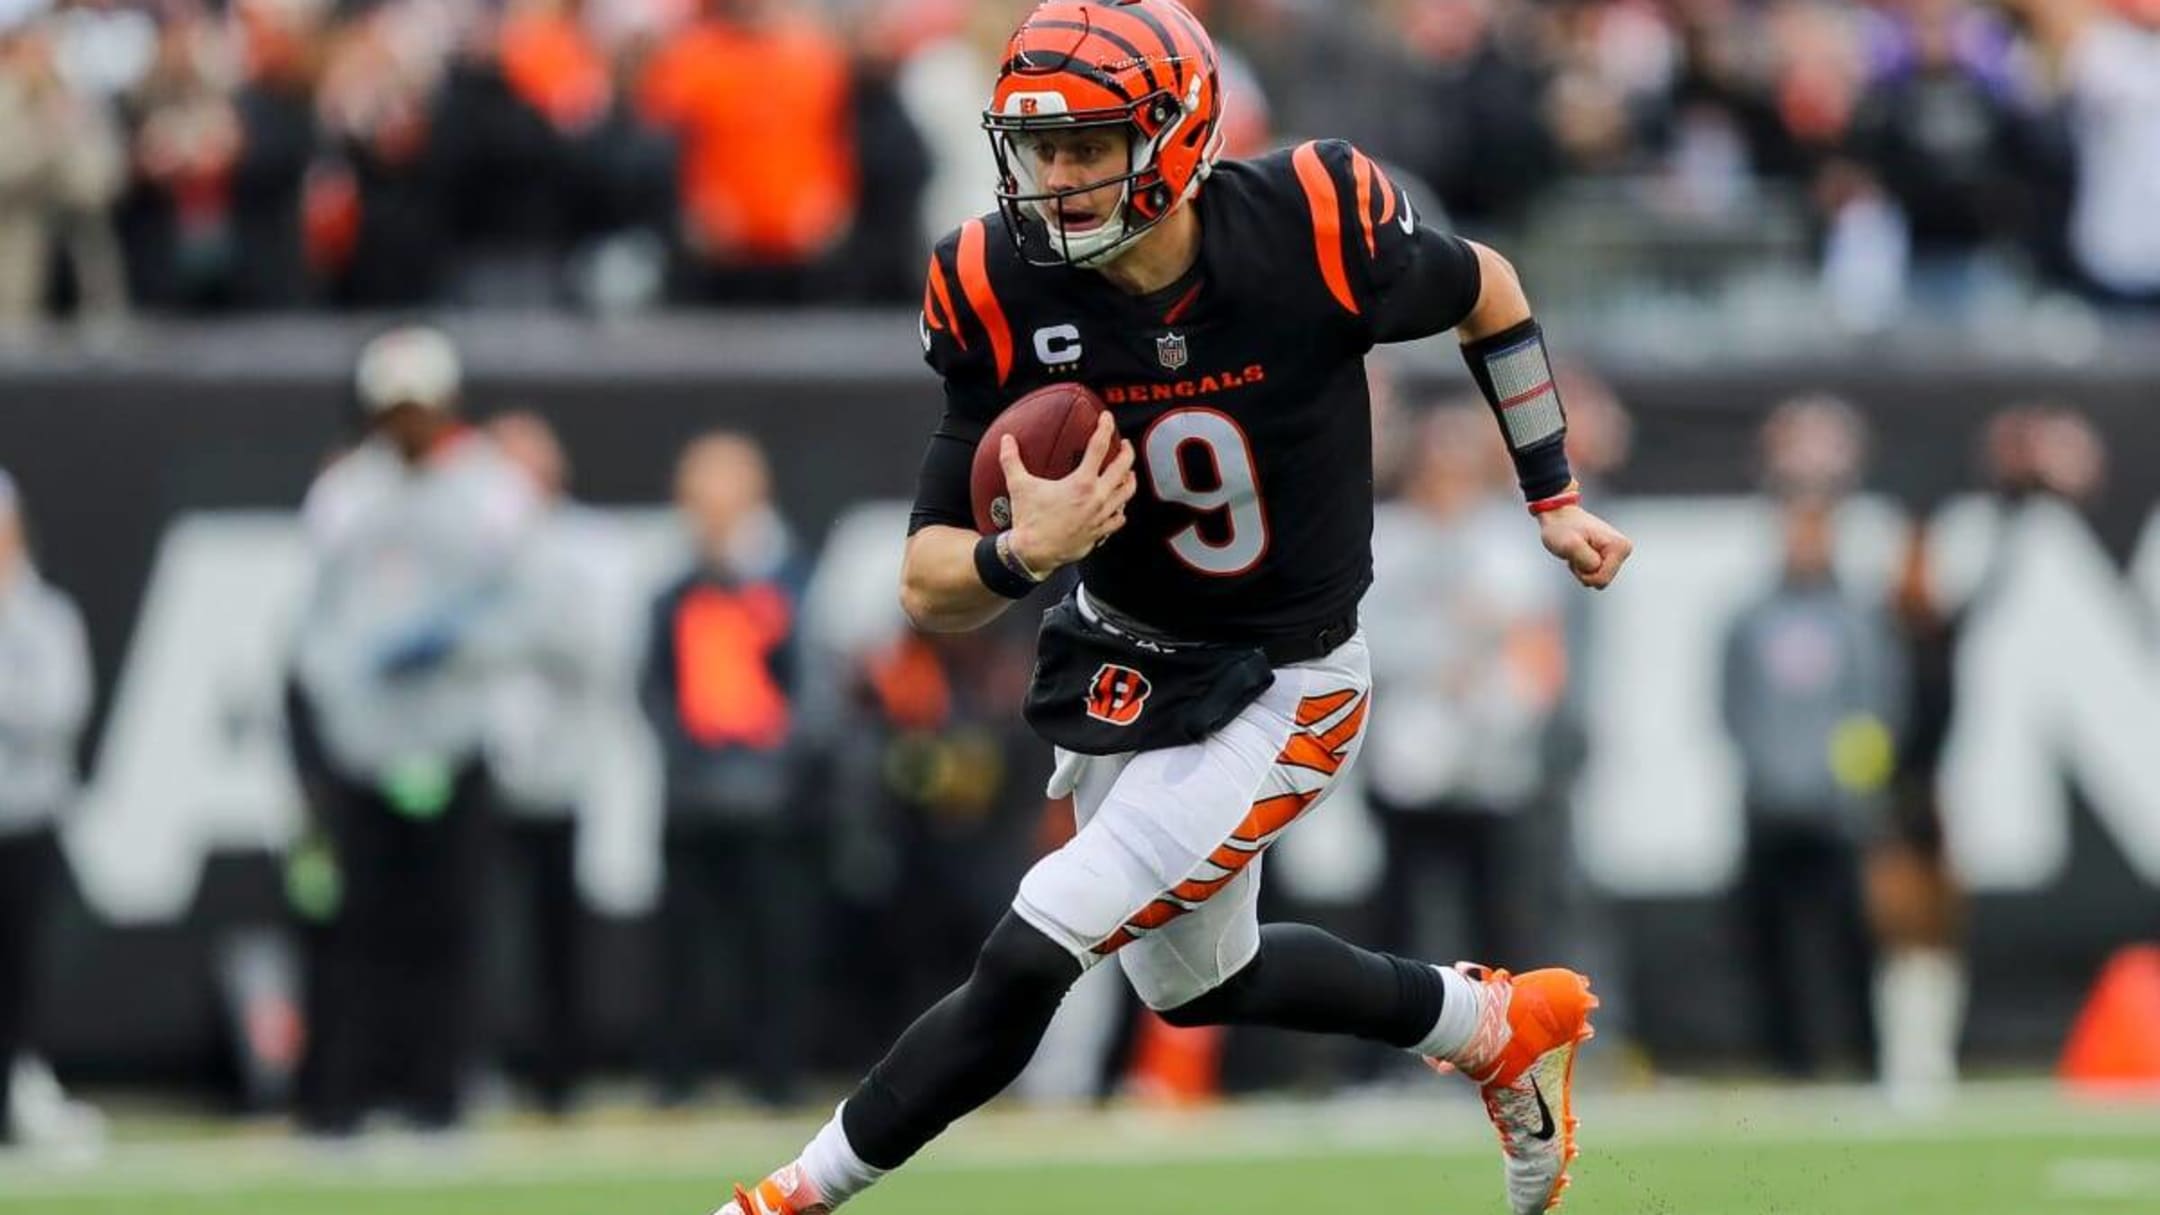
{"points": [[1018, 961]]}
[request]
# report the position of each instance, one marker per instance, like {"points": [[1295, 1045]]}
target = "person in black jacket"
{"points": [[719, 683]]}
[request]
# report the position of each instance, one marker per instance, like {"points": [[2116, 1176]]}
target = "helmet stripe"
{"points": [[975, 284], [1022, 65], [1327, 223], [1191, 24], [1140, 14], [1147, 67]]}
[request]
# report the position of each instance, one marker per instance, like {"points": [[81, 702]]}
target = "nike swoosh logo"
{"points": [[1408, 221], [1545, 1127]]}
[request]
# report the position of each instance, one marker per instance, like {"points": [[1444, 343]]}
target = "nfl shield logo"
{"points": [[1170, 351]]}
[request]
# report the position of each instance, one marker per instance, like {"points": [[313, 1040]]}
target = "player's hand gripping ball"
{"points": [[1052, 469]]}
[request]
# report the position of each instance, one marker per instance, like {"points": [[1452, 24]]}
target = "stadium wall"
{"points": [[126, 457]]}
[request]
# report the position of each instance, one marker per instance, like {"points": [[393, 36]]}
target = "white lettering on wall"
{"points": [[2060, 682]]}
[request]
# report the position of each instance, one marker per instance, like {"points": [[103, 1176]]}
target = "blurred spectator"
{"points": [[1465, 631], [548, 722], [2107, 57], [1472, 131], [945, 83], [893, 162], [186, 140], [1612, 64], [598, 152], [1938, 132], [417, 533], [1913, 899], [1723, 126], [720, 684], [104, 47], [541, 154], [214, 218], [61, 167], [759, 92], [1813, 447], [953, 765], [385, 168], [1393, 423], [1600, 439], [45, 684], [1812, 691], [2045, 449]]}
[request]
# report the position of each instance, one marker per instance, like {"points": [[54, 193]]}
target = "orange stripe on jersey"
{"points": [[1200, 890], [1155, 915], [1346, 729], [1271, 814], [975, 282], [1305, 751], [1227, 857], [1315, 709], [936, 290], [1327, 223], [1184, 301], [1114, 942], [1363, 170]]}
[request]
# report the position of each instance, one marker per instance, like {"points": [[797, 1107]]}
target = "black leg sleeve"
{"points": [[965, 1050], [1305, 979], [26, 863]]}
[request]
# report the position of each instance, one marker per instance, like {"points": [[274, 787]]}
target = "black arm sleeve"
{"points": [[944, 488]]}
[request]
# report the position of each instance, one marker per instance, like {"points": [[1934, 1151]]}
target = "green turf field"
{"points": [[2006, 1151]]}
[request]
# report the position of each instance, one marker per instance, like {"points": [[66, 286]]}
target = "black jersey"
{"points": [[1242, 386]]}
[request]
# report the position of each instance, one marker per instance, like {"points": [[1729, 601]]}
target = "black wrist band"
{"points": [[998, 576], [1515, 376]]}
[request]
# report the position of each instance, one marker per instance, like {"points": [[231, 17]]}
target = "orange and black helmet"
{"points": [[1142, 65]]}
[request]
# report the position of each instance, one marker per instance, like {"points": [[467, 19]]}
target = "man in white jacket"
{"points": [[556, 710], [416, 534], [44, 702]]}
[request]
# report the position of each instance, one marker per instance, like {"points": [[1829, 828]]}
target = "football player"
{"points": [[1206, 683]]}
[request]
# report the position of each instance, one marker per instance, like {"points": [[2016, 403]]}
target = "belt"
{"points": [[1282, 649], [1291, 648]]}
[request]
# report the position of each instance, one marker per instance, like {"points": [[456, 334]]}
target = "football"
{"points": [[1052, 425]]}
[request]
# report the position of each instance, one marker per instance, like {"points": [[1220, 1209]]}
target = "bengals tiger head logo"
{"points": [[1117, 694]]}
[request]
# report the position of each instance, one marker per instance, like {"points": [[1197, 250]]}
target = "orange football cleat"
{"points": [[1522, 1058], [786, 1192]]}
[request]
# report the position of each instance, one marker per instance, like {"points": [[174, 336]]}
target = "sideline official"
{"points": [[44, 702], [415, 534]]}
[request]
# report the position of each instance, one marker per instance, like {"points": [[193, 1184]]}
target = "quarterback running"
{"points": [[1206, 682]]}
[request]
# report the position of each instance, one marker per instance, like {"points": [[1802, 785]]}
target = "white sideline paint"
{"points": [[2105, 1177]]}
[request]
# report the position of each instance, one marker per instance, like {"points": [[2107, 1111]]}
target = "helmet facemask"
{"points": [[1029, 207]]}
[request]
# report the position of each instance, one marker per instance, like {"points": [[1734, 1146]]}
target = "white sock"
{"points": [[832, 1166], [1919, 1008], [1460, 1009]]}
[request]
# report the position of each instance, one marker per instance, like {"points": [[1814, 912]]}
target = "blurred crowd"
{"points": [[846, 804], [191, 155]]}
